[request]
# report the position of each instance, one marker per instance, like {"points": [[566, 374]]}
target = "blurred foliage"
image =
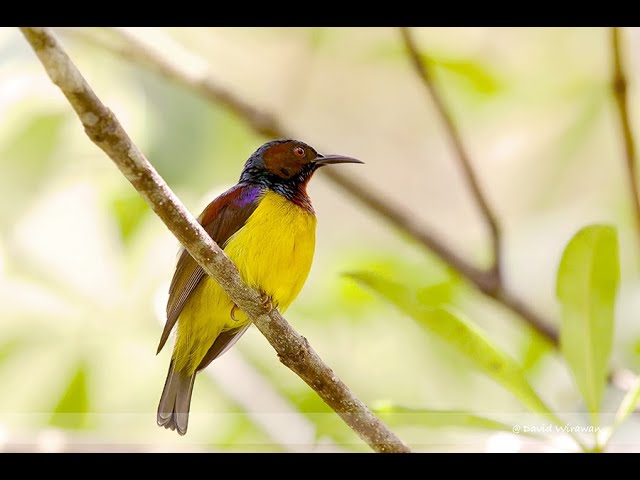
{"points": [[464, 337], [628, 404], [73, 407], [129, 211], [85, 265], [27, 157], [395, 415]]}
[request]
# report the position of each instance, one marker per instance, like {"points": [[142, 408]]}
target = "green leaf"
{"points": [[10, 347], [629, 403], [26, 160], [396, 415], [465, 337], [129, 209], [352, 303], [626, 407], [535, 348], [472, 74], [587, 283], [438, 294], [480, 78], [71, 411], [33, 144]]}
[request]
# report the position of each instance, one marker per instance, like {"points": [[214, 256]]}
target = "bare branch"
{"points": [[294, 351], [137, 49], [489, 216], [619, 87], [198, 79]]}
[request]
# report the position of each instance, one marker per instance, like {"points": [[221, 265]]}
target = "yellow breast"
{"points": [[274, 250]]}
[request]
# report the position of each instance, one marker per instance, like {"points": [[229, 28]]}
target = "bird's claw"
{"points": [[232, 314], [266, 302]]}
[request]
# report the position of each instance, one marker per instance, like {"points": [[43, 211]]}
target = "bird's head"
{"points": [[287, 165]]}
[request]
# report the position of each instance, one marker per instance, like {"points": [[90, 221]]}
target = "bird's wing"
{"points": [[224, 342], [221, 219]]}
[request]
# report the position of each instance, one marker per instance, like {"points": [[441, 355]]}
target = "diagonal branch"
{"points": [[198, 79], [136, 49], [619, 87], [456, 141], [102, 127]]}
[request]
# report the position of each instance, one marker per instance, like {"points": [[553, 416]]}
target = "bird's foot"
{"points": [[266, 301], [232, 313]]}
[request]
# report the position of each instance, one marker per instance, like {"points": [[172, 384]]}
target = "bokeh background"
{"points": [[85, 265]]}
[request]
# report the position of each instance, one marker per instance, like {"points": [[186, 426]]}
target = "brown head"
{"points": [[286, 166]]}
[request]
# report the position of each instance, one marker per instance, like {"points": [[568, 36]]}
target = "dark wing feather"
{"points": [[185, 279], [224, 342], [221, 219]]}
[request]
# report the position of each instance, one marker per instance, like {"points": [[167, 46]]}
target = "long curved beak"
{"points": [[331, 159]]}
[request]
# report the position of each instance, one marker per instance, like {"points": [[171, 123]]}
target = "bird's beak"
{"points": [[323, 160]]}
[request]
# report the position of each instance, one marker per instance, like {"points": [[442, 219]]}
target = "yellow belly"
{"points": [[273, 253]]}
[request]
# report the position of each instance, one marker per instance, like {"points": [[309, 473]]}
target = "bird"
{"points": [[266, 224]]}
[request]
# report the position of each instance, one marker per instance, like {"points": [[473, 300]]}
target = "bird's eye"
{"points": [[299, 152]]}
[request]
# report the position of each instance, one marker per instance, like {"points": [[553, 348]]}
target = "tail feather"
{"points": [[173, 409]]}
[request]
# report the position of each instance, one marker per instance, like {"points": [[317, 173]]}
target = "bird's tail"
{"points": [[173, 410]]}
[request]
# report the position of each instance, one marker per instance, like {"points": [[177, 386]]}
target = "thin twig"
{"points": [[198, 79], [102, 127], [417, 59], [619, 87], [138, 51]]}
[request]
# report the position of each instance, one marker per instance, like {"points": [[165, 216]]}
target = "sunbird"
{"points": [[267, 226]]}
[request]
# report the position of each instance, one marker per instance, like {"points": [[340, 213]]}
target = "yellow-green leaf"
{"points": [[534, 349], [626, 407], [395, 415], [129, 208], [629, 403], [587, 283], [465, 337], [72, 408], [438, 294]]}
